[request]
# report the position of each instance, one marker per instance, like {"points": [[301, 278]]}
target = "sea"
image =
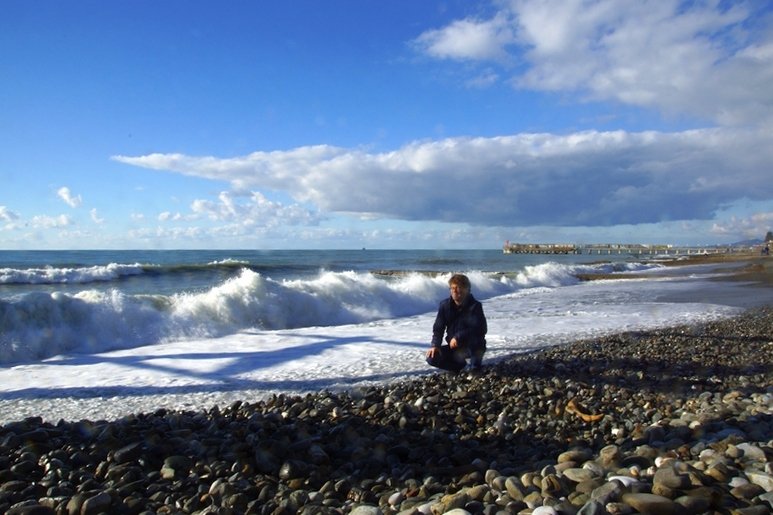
{"points": [[79, 329]]}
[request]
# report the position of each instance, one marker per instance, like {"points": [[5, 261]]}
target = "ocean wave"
{"points": [[105, 273], [39, 325], [74, 275]]}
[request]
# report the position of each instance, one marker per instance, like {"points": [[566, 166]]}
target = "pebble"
{"points": [[677, 420]]}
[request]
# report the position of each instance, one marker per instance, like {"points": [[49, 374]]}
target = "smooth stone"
{"points": [[747, 491], [752, 510], [575, 455], [608, 492], [99, 503], [513, 488], [588, 486], [610, 456], [533, 500], [752, 452], [595, 469], [767, 498], [396, 498], [453, 501], [618, 508], [578, 475], [670, 478], [128, 453], [693, 504], [762, 479], [592, 508], [720, 472], [651, 504], [34, 509], [626, 481], [366, 510], [551, 486], [663, 491], [738, 481]]}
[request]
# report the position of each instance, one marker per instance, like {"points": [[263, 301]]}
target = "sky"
{"points": [[403, 124]]}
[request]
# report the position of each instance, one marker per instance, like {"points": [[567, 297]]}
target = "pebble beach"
{"points": [[676, 420]]}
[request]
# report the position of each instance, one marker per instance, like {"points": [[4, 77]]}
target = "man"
{"points": [[460, 317]]}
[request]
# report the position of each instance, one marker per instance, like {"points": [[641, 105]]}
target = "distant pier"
{"points": [[620, 248]]}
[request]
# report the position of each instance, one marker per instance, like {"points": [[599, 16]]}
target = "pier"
{"points": [[621, 248]]}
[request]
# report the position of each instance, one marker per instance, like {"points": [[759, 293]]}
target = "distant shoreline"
{"points": [[749, 267]]}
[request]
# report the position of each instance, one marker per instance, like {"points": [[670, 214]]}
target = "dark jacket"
{"points": [[466, 323]]}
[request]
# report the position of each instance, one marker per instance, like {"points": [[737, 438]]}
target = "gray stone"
{"points": [[99, 503], [762, 479], [693, 504], [367, 510], [670, 478], [592, 508], [651, 504], [608, 492], [752, 452], [747, 491], [578, 475], [576, 455]]}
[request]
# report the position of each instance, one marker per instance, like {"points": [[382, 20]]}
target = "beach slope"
{"points": [[678, 420]]}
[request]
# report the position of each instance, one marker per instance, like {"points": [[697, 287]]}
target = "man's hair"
{"points": [[459, 280]]}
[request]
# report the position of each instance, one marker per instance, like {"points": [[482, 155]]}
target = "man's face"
{"points": [[459, 293]]}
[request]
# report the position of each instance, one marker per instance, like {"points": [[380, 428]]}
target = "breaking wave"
{"points": [[40, 325]]}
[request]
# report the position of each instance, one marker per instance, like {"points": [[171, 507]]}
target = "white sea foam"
{"points": [[76, 275], [248, 364], [39, 325]]}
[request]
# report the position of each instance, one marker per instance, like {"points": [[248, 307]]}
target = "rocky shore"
{"points": [[669, 421]]}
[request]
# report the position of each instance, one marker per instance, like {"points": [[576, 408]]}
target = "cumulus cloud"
{"points": [[713, 60], [469, 39], [69, 199], [752, 227], [255, 210], [588, 178], [50, 222], [8, 215]]}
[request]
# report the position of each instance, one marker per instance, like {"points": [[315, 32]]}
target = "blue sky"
{"points": [[400, 124]]}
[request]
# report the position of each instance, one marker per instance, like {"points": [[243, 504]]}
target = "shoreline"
{"points": [[675, 420], [741, 267]]}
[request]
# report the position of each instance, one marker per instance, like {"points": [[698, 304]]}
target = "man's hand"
{"points": [[453, 343], [431, 352]]}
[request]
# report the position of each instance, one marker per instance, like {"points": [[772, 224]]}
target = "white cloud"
{"points": [[752, 227], [50, 222], [8, 215], [707, 59], [587, 178], [255, 210], [95, 217], [168, 216], [484, 80], [70, 199], [469, 39]]}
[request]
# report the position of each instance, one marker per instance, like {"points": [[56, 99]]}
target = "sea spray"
{"points": [[38, 325], [62, 275]]}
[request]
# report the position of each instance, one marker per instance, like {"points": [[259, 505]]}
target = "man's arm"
{"points": [[439, 327]]}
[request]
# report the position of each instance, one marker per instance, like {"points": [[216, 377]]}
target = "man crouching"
{"points": [[460, 317]]}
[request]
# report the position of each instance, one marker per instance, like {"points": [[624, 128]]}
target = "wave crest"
{"points": [[40, 325]]}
